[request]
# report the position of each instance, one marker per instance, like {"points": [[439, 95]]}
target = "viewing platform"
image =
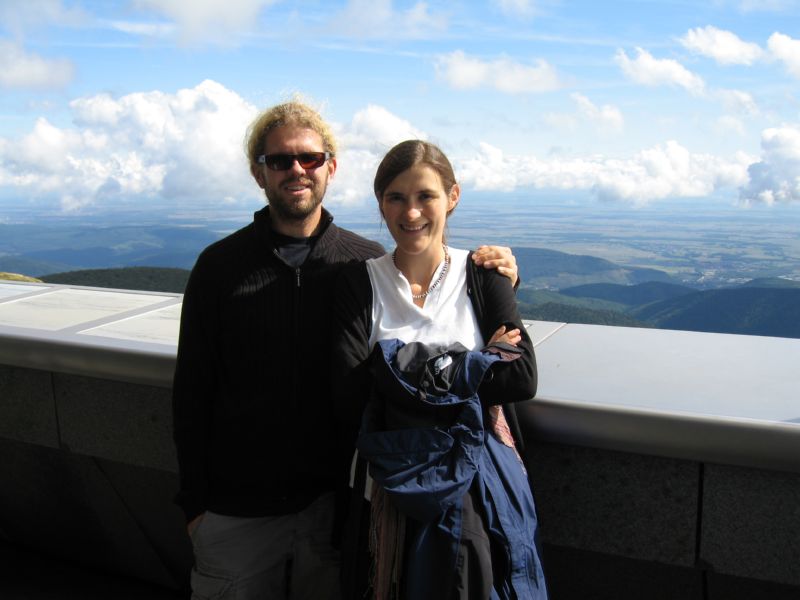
{"points": [[664, 464]]}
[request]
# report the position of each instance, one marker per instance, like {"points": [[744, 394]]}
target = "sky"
{"points": [[146, 102]]}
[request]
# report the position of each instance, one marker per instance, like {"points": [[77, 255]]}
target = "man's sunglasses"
{"points": [[283, 162]]}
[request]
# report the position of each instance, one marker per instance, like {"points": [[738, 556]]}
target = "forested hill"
{"points": [[151, 279], [759, 307], [747, 310], [629, 295], [570, 313]]}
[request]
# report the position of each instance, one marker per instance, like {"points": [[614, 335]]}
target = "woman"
{"points": [[428, 347]]}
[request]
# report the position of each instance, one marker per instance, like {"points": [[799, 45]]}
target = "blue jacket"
{"points": [[427, 446]]}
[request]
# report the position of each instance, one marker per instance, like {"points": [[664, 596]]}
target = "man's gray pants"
{"points": [[288, 557]]}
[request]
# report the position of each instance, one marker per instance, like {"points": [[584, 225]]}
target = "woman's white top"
{"points": [[446, 316]]}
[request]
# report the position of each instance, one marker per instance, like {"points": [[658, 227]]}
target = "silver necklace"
{"points": [[438, 279]]}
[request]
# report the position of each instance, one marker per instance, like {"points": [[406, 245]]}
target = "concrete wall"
{"points": [[87, 472], [624, 526]]}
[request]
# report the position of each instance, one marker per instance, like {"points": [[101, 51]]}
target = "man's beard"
{"points": [[292, 210]]}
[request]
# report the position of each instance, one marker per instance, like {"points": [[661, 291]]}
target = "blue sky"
{"points": [[145, 102]]}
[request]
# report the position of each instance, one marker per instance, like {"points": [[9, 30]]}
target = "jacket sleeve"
{"points": [[193, 389], [495, 302], [350, 378], [351, 328]]}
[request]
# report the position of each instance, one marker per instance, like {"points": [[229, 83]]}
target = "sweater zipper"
{"points": [[296, 269], [297, 316], [295, 319]]}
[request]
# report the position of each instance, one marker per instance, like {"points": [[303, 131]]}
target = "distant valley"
{"points": [[760, 307], [41, 249], [727, 271]]}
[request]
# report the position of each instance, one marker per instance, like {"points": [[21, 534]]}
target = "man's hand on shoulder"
{"points": [[497, 257]]}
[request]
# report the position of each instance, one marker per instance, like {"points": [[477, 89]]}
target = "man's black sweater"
{"points": [[253, 419]]}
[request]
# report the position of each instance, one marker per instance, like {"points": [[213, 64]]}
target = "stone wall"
{"points": [[87, 473], [622, 526]]}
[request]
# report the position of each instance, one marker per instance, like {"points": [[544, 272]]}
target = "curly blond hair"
{"points": [[296, 113]]}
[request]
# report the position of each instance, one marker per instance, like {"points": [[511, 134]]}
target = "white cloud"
{"points": [[786, 50], [607, 117], [27, 70], [145, 29], [658, 173], [20, 69], [186, 149], [379, 19], [647, 70], [604, 119], [728, 124], [563, 121], [723, 46], [173, 148], [100, 110], [363, 142], [208, 20], [522, 8], [464, 72], [19, 17], [491, 169], [739, 102], [776, 177], [377, 129]]}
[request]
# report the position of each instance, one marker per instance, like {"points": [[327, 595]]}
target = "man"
{"points": [[253, 424]]}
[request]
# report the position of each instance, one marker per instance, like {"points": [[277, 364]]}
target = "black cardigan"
{"points": [[251, 398]]}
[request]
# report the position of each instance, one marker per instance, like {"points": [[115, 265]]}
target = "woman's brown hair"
{"points": [[408, 154]]}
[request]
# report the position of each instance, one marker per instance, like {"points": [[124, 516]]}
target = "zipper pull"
{"points": [[297, 272]]}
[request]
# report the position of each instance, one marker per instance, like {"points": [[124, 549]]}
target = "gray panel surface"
{"points": [[707, 374], [725, 587], [66, 307], [580, 575], [709, 397], [631, 505], [751, 523], [148, 495], [11, 290], [27, 407], [730, 399], [539, 331], [64, 505], [118, 421], [158, 326]]}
